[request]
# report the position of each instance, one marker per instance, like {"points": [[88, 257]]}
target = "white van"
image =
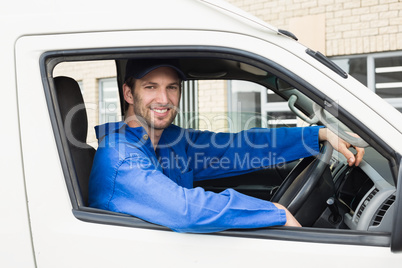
{"points": [[46, 220]]}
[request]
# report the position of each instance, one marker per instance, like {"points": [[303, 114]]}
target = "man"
{"points": [[146, 166]]}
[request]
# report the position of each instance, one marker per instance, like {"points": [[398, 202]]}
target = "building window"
{"points": [[187, 116], [252, 105], [381, 72], [281, 119], [388, 77], [109, 105]]}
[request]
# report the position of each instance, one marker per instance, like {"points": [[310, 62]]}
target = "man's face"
{"points": [[156, 97]]}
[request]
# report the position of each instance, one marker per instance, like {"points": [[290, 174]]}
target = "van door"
{"points": [[66, 237]]}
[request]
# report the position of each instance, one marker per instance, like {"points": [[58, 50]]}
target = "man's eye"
{"points": [[173, 87], [149, 87]]}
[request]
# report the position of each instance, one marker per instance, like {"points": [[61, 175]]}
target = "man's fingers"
{"points": [[342, 146], [350, 157], [359, 155]]}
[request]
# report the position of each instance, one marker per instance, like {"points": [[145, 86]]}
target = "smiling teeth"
{"points": [[161, 111]]}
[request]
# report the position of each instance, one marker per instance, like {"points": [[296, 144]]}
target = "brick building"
{"points": [[335, 27], [362, 36]]}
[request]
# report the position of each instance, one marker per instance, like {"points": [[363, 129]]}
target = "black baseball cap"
{"points": [[138, 68]]}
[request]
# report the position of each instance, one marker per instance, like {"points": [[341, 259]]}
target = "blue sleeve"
{"points": [[133, 185], [215, 155]]}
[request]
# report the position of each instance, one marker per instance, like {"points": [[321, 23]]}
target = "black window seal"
{"points": [[327, 62]]}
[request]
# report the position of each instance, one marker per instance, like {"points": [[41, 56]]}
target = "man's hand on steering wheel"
{"points": [[342, 146]]}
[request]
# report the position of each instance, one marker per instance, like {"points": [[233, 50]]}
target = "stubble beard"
{"points": [[143, 115]]}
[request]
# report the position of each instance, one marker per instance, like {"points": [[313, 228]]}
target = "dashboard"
{"points": [[366, 193]]}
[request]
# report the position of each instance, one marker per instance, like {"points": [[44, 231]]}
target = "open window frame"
{"points": [[317, 235]]}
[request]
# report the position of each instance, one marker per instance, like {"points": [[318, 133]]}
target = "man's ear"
{"points": [[128, 96]]}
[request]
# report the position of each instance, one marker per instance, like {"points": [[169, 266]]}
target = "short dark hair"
{"points": [[130, 82]]}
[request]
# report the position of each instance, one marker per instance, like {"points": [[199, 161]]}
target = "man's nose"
{"points": [[162, 96]]}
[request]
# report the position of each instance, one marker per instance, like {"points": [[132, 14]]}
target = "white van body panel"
{"points": [[38, 228]]}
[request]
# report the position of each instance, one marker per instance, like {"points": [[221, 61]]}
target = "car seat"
{"points": [[75, 123]]}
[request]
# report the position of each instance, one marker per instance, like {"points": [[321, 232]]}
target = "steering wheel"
{"points": [[307, 187]]}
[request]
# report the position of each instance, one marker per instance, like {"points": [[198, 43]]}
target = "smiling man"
{"points": [[152, 95], [146, 166]]}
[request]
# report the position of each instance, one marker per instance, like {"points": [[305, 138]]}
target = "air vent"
{"points": [[365, 203], [382, 210]]}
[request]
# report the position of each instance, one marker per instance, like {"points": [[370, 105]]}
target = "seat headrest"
{"points": [[72, 109]]}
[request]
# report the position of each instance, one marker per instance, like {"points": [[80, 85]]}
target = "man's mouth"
{"points": [[160, 110]]}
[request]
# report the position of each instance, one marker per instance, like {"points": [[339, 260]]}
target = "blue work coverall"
{"points": [[129, 176]]}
